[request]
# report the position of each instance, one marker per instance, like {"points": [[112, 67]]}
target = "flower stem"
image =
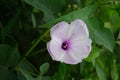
{"points": [[37, 52], [30, 50]]}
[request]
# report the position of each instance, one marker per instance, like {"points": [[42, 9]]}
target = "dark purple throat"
{"points": [[65, 45]]}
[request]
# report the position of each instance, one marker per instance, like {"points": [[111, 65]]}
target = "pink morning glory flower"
{"points": [[69, 43]]}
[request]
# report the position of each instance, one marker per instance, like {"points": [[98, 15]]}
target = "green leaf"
{"points": [[46, 78], [94, 54], [114, 71], [54, 5], [44, 68], [115, 20], [27, 76], [99, 70], [9, 56], [48, 14], [83, 14], [61, 73], [49, 8], [6, 74], [99, 34], [27, 66]]}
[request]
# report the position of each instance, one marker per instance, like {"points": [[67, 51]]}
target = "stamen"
{"points": [[64, 45]]}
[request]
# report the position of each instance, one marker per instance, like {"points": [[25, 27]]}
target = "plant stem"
{"points": [[44, 49], [31, 48]]}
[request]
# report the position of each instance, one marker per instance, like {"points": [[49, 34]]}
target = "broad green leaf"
{"points": [[114, 71], [27, 66], [48, 14], [94, 54], [114, 23], [49, 8], [54, 5], [83, 14], [27, 76], [99, 34], [44, 68], [9, 56], [61, 73], [6, 74], [20, 76], [100, 71]]}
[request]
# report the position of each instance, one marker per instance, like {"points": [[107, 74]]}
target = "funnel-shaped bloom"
{"points": [[69, 43]]}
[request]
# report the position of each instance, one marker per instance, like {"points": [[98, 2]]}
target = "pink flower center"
{"points": [[65, 45]]}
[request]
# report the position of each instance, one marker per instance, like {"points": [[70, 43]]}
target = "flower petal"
{"points": [[59, 31], [78, 29], [67, 58], [55, 50], [80, 48]]}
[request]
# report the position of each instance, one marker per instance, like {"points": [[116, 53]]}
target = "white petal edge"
{"points": [[55, 50], [59, 31]]}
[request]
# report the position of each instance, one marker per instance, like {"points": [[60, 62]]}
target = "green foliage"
{"points": [[100, 71], [24, 32], [49, 9], [27, 76], [8, 58], [114, 19], [114, 72], [10, 54], [44, 68], [94, 54], [27, 66], [83, 13], [6, 74], [61, 74], [99, 34]]}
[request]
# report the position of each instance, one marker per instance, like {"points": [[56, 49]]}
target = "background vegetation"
{"points": [[24, 32]]}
